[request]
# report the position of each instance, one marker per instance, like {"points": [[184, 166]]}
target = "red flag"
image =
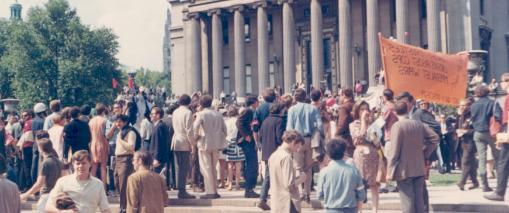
{"points": [[131, 85], [115, 83]]}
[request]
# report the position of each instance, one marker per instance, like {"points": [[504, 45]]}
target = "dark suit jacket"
{"points": [[344, 120], [244, 124], [408, 137], [467, 140], [450, 130], [271, 135], [428, 119], [77, 135], [159, 142]]}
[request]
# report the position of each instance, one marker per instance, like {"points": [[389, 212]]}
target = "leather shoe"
{"points": [[305, 198], [381, 191], [475, 185], [486, 189], [217, 195], [251, 194], [209, 196], [461, 185], [263, 205], [494, 197], [186, 195]]}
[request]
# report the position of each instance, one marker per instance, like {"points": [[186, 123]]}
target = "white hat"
{"points": [[39, 107]]}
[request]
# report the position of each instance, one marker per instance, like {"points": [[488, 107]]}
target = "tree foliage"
{"points": [[150, 78], [54, 56]]}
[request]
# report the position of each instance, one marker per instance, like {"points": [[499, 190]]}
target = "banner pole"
{"points": [[383, 60]]}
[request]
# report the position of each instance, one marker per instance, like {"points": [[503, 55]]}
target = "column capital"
{"points": [[239, 8], [280, 2], [217, 11], [259, 4], [188, 16]]}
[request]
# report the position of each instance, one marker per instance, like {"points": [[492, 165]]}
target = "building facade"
{"points": [[248, 45], [166, 43]]}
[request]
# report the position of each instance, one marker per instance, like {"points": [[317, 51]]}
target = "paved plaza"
{"points": [[442, 199]]}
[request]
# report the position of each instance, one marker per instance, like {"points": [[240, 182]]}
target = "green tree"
{"points": [[150, 78], [55, 56]]}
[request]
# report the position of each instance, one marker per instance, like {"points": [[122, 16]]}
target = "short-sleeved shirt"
{"points": [[50, 167], [390, 118], [504, 111], [87, 195]]}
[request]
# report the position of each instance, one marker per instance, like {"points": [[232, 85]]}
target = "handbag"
{"points": [[495, 126], [382, 168]]}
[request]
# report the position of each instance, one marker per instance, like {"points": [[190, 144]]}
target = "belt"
{"points": [[128, 155]]}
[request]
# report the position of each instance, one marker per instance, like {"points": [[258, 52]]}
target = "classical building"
{"points": [[16, 10], [248, 45], [166, 43]]}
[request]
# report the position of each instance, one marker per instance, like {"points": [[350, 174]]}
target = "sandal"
{"points": [[237, 187]]}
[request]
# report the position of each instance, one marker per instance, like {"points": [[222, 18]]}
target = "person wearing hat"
{"points": [[37, 124]]}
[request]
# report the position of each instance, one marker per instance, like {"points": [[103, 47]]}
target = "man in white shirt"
{"points": [[145, 131], [210, 131], [183, 144], [85, 191]]}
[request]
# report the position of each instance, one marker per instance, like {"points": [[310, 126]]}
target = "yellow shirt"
{"points": [[88, 194]]}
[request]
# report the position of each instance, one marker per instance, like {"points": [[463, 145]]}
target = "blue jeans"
{"points": [[35, 163], [146, 145], [111, 162], [251, 164], [342, 210], [265, 184]]}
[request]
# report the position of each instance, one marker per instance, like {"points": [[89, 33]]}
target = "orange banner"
{"points": [[427, 75]]}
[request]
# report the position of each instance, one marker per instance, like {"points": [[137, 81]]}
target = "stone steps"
{"points": [[249, 205]]}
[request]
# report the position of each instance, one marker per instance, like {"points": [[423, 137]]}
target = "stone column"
{"points": [[317, 65], [217, 53], [402, 21], [204, 36], [239, 50], [433, 22], [288, 45], [193, 53], [373, 26], [263, 46], [345, 44]]}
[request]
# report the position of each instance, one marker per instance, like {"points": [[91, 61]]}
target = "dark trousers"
{"points": [[35, 163], [170, 168], [159, 168], [181, 169], [411, 194], [27, 166], [446, 155], [469, 167], [503, 170], [18, 169], [265, 184], [123, 168], [251, 164], [196, 177], [111, 163]]}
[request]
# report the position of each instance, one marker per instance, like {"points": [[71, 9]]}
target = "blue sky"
{"points": [[138, 23]]}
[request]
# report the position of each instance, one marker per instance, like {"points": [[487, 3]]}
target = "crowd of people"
{"points": [[75, 157]]}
